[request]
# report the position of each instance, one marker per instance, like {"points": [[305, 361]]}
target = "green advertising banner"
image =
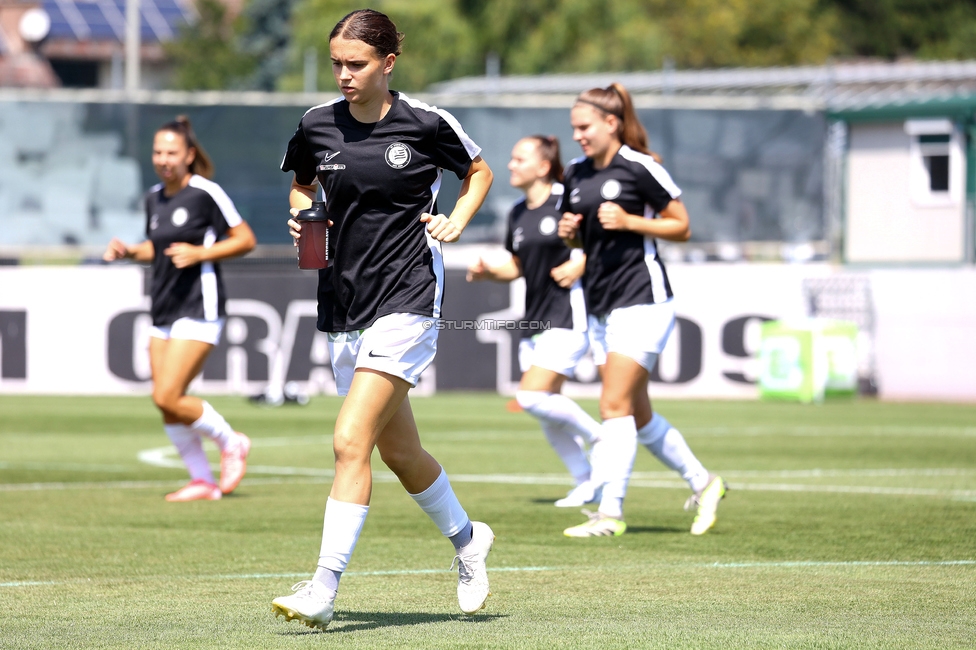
{"points": [[805, 360]]}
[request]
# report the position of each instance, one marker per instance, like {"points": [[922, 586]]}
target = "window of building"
{"points": [[936, 166]]}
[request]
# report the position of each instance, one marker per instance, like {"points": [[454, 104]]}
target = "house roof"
{"points": [[835, 87]]}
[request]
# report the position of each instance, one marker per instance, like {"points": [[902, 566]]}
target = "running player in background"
{"points": [[619, 200], [554, 296], [187, 216], [378, 156]]}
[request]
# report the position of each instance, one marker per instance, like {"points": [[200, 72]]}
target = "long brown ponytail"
{"points": [[615, 100], [548, 147], [201, 164]]}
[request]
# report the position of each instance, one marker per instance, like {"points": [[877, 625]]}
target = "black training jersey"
{"points": [[622, 267], [377, 180], [199, 214], [533, 238]]}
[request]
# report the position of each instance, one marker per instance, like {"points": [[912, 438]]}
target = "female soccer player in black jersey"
{"points": [[186, 217], [619, 200], [553, 295], [378, 156]]}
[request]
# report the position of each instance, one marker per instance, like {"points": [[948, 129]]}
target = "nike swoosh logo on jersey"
{"points": [[378, 356], [330, 156]]}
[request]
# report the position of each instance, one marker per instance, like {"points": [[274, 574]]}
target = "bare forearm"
{"points": [[227, 248], [506, 272], [141, 252], [660, 228], [301, 196], [474, 189]]}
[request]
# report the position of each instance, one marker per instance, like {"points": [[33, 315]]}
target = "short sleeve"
{"points": [[225, 215], [298, 158], [568, 185], [145, 207], [453, 149], [655, 186], [509, 235]]}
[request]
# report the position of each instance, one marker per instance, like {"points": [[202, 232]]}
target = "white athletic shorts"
{"points": [[639, 332], [557, 349], [402, 345], [191, 329]]}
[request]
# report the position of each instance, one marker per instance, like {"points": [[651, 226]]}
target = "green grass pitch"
{"points": [[851, 524]]}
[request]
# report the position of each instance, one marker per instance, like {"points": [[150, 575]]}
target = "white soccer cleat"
{"points": [[473, 590], [707, 502], [311, 604], [597, 525], [196, 490], [233, 464], [585, 492]]}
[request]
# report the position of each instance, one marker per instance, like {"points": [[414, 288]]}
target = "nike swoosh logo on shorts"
{"points": [[383, 356]]}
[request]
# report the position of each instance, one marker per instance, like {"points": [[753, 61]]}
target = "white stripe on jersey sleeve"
{"points": [[437, 255], [469, 145], [217, 193], [658, 289], [659, 173], [208, 280], [330, 103], [576, 301]]}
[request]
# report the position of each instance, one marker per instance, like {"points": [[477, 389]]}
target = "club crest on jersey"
{"points": [[547, 225], [610, 190], [397, 155], [574, 196], [180, 215]]}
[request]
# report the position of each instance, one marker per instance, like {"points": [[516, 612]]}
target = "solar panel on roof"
{"points": [[102, 20]]}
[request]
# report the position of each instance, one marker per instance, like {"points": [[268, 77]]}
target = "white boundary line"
{"points": [[166, 457], [388, 477], [409, 572]]}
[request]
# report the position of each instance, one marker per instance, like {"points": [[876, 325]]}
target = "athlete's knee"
{"points": [[166, 401], [348, 447], [612, 406], [531, 401]]}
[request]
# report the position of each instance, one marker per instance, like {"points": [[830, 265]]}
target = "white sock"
{"points": [[340, 532], [570, 449], [613, 462], [190, 446], [669, 446], [213, 425], [442, 506], [559, 409]]}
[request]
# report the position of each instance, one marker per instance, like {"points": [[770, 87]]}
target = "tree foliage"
{"points": [[206, 56], [452, 38]]}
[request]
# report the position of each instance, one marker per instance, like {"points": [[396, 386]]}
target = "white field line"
{"points": [[166, 457], [497, 479], [870, 430], [799, 564], [138, 485], [68, 467]]}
